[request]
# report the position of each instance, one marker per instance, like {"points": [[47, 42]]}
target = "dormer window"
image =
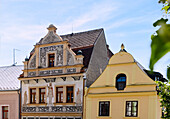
{"points": [[121, 81], [51, 58]]}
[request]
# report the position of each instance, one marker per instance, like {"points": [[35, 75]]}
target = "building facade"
{"points": [[10, 92], [53, 79], [123, 91]]}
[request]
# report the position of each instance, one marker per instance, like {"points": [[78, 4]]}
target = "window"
{"points": [[131, 108], [41, 95], [59, 94], [104, 108], [33, 95], [121, 81], [70, 94], [51, 58], [4, 112]]}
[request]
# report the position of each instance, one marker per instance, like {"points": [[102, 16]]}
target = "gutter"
{"points": [[9, 90], [19, 103]]}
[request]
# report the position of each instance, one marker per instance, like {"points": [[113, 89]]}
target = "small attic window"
{"points": [[51, 58], [120, 81]]}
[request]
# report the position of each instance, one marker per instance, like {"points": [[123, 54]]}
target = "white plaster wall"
{"points": [[58, 82]]}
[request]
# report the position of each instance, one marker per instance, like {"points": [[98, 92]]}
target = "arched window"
{"points": [[121, 81]]}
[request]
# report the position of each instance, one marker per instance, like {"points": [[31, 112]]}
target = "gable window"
{"points": [[104, 108], [33, 95], [51, 58], [70, 94], [59, 94], [4, 112], [121, 81], [131, 109], [41, 95]]}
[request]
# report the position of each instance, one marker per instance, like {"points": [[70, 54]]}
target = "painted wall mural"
{"points": [[32, 64], [57, 49]]}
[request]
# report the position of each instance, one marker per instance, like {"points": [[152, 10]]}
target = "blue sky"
{"points": [[24, 22]]}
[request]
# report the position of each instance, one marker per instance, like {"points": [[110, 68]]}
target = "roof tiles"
{"points": [[82, 39]]}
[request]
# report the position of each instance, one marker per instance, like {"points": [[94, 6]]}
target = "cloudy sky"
{"points": [[24, 22]]}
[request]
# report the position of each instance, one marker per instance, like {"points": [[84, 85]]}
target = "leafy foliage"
{"points": [[164, 93], [166, 6], [159, 47], [168, 72], [160, 42]]}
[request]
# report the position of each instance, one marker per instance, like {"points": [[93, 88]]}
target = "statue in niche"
{"points": [[43, 61], [50, 94], [59, 57], [78, 99], [59, 60], [25, 98]]}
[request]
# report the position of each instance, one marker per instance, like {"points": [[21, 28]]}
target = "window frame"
{"points": [[31, 94], [71, 92], [126, 110], [42, 93], [122, 82], [49, 60], [60, 92], [99, 108], [5, 111]]}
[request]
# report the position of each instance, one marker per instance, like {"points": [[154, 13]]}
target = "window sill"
{"points": [[131, 117], [104, 117], [64, 103], [37, 104]]}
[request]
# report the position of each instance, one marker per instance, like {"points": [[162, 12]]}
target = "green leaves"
{"points": [[168, 72], [164, 93], [166, 8], [160, 42], [162, 1]]}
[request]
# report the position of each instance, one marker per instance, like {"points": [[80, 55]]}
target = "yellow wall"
{"points": [[139, 87]]}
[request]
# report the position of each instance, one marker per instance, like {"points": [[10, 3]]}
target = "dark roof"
{"points": [[153, 75], [82, 39], [86, 52], [109, 53]]}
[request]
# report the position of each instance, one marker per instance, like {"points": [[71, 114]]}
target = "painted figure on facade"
{"points": [[78, 100], [25, 98], [50, 94]]}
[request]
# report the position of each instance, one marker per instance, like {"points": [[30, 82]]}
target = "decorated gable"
{"points": [[52, 56]]}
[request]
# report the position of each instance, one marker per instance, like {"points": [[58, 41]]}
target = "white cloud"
{"points": [[21, 33], [98, 12]]}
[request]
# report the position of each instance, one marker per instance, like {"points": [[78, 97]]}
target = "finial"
{"points": [[26, 59], [122, 46], [79, 52], [52, 28]]}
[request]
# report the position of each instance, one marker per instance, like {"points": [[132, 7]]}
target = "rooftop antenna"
{"points": [[72, 31], [14, 63], [72, 28]]}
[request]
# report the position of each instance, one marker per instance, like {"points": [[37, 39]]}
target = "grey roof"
{"points": [[9, 77], [82, 39]]}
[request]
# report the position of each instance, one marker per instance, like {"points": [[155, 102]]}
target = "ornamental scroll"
{"points": [[32, 63], [58, 49]]}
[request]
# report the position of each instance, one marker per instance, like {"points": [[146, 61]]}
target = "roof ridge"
{"points": [[82, 32], [11, 66]]}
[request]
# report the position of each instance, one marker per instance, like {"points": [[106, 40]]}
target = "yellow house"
{"points": [[123, 91]]}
